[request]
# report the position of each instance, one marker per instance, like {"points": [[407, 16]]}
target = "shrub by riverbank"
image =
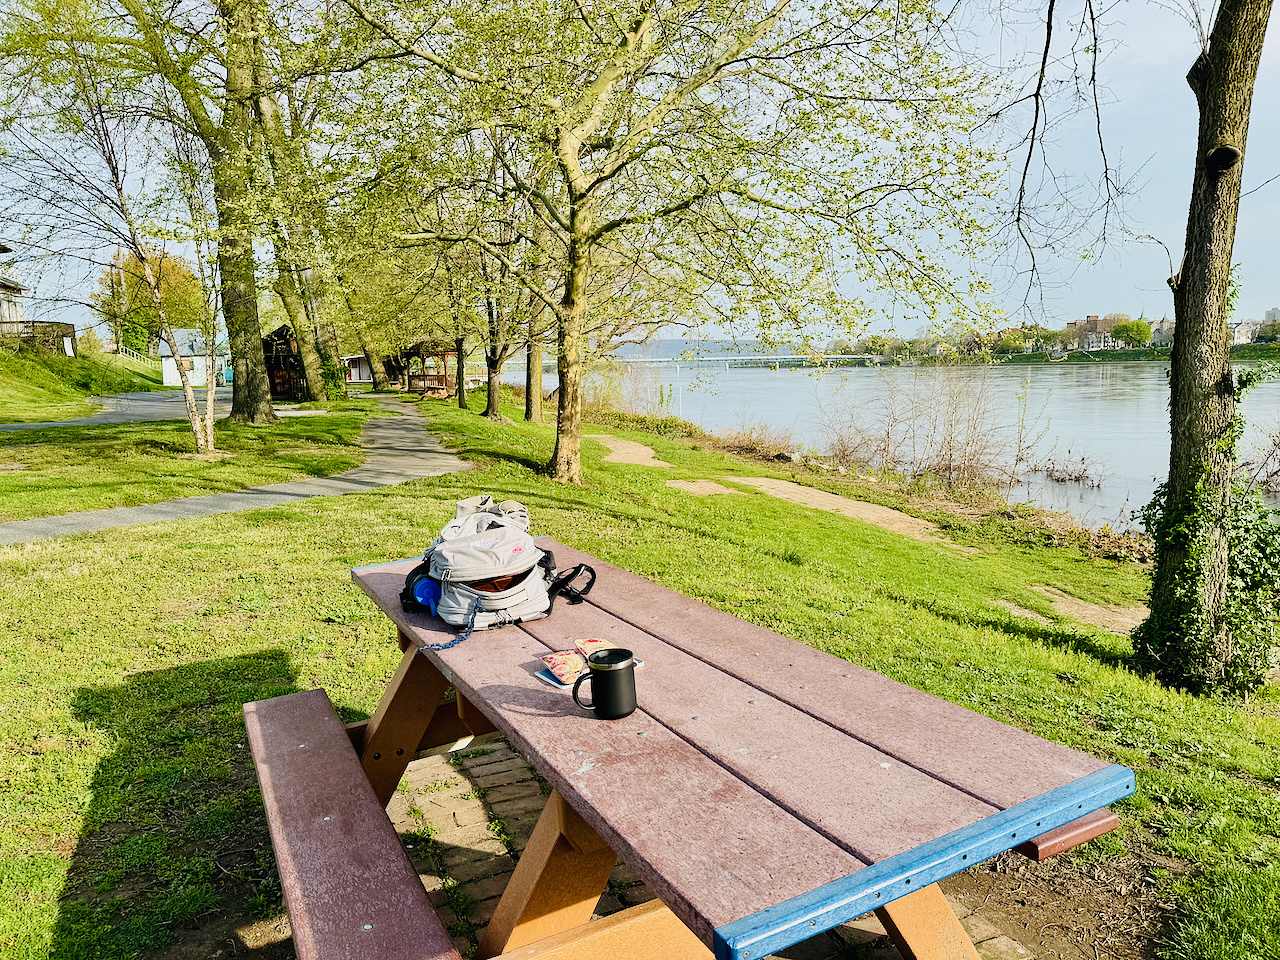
{"points": [[131, 821]]}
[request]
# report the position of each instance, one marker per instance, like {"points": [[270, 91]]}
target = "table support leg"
{"points": [[397, 726], [647, 932], [923, 926], [555, 886]]}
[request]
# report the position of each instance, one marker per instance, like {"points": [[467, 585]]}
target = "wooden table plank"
{"points": [[990, 760], [869, 803], [748, 852]]}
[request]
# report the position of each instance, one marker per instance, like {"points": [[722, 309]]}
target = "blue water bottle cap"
{"points": [[427, 592]]}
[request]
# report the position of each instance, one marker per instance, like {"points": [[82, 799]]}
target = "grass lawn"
{"points": [[130, 818], [35, 388], [65, 469]]}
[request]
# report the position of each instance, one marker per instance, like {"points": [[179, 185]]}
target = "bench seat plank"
{"points": [[992, 761], [351, 891]]}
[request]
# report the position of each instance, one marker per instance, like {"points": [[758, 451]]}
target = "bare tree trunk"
{"points": [[203, 444], [460, 354], [566, 460], [292, 281], [496, 352], [533, 377], [1186, 641], [380, 379], [493, 372]]}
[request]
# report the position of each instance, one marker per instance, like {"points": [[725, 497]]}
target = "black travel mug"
{"points": [[612, 673]]}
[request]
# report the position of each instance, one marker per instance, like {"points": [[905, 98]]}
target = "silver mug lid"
{"points": [[612, 658]]}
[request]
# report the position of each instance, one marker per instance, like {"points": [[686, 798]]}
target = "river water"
{"points": [[1107, 423]]}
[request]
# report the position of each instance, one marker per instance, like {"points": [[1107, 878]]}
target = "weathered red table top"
{"points": [[763, 789]]}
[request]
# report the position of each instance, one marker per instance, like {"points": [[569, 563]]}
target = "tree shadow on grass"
{"points": [[174, 858], [1102, 647]]}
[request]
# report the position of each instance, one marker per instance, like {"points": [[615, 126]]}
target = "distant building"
{"points": [[192, 354], [11, 312], [45, 335], [1162, 332], [1092, 333], [358, 369], [284, 366], [1244, 331], [1272, 315]]}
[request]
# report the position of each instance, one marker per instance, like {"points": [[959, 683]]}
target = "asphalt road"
{"points": [[137, 408]]}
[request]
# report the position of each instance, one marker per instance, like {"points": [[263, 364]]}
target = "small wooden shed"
{"points": [[284, 366]]}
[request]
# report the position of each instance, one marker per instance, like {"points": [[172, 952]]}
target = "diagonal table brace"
{"points": [[412, 716], [556, 885]]}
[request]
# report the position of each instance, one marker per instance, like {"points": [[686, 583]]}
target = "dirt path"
{"points": [[886, 517], [627, 451], [1109, 616]]}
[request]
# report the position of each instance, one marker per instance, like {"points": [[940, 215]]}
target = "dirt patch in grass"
{"points": [[1109, 616], [701, 488], [627, 451], [1069, 909], [887, 518]]}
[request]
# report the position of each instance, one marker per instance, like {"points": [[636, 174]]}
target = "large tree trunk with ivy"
{"points": [[1187, 641], [251, 391]]}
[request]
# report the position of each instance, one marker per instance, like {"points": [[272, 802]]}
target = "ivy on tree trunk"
{"points": [[1187, 641]]}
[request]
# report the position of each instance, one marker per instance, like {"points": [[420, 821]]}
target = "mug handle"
{"points": [[576, 685]]}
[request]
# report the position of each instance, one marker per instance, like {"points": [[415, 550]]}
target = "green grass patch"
{"points": [[130, 809], [66, 469], [36, 388]]}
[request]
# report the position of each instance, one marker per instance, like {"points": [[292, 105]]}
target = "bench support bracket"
{"points": [[647, 932], [555, 886], [392, 734], [923, 926]]}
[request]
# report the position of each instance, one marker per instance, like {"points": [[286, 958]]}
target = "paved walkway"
{"points": [[397, 449], [137, 408]]}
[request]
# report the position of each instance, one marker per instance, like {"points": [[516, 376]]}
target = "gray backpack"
{"points": [[484, 570]]}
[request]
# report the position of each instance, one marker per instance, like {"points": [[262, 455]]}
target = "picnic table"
{"points": [[766, 791]]}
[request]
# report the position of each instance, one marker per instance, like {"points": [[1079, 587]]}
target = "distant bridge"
{"points": [[775, 362]]}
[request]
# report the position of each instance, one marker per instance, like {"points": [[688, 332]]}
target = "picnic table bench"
{"points": [[764, 790]]}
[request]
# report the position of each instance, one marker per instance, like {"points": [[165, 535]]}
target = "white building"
{"points": [[192, 356], [1272, 315], [12, 315], [358, 370], [1244, 331], [1162, 332]]}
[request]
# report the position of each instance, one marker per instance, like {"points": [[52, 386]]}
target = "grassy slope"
{"points": [[65, 469], [130, 811], [36, 388]]}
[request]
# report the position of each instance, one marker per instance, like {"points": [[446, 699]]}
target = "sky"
{"points": [[1151, 124]]}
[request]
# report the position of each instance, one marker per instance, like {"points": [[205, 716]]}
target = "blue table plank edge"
{"points": [[874, 886]]}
